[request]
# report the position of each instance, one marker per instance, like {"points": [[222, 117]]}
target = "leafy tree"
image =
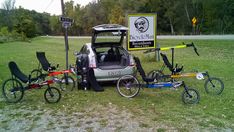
{"points": [[55, 25], [173, 17], [8, 5], [25, 26], [219, 19], [117, 15], [7, 13]]}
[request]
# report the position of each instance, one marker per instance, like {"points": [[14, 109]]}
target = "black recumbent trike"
{"points": [[13, 89], [213, 85], [129, 86]]}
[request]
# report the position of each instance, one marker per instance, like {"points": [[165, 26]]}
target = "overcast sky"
{"points": [[50, 6]]}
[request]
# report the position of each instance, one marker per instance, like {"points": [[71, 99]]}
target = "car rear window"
{"points": [[108, 37]]}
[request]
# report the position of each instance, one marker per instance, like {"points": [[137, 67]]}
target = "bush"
{"points": [[6, 36]]}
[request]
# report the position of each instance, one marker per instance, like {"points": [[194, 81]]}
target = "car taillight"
{"points": [[132, 62], [92, 62]]}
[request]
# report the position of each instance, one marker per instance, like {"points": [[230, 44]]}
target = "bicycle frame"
{"points": [[55, 73], [39, 85], [164, 84], [184, 75]]}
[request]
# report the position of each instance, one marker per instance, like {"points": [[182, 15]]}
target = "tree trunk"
{"points": [[187, 13], [172, 27]]}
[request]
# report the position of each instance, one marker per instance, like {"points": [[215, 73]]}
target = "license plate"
{"points": [[114, 73]]}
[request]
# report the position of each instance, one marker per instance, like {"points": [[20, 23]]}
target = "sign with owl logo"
{"points": [[142, 31]]}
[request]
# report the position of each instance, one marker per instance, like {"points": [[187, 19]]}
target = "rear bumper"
{"points": [[113, 74]]}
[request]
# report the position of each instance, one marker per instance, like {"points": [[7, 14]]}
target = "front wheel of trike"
{"points": [[214, 86], [12, 90], [52, 95], [191, 96]]}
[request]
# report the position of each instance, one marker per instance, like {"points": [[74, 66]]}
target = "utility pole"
{"points": [[62, 6], [66, 41], [65, 35]]}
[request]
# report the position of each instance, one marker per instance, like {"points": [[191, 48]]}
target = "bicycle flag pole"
{"points": [[183, 45]]}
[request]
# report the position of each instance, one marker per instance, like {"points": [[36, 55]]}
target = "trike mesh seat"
{"points": [[44, 62], [15, 71], [141, 70], [169, 65]]}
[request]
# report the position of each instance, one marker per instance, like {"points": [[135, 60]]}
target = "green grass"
{"points": [[151, 107]]}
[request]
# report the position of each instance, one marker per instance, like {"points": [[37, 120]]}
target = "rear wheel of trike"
{"points": [[37, 74], [128, 86]]}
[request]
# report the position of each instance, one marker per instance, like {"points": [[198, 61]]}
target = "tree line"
{"points": [[173, 17]]}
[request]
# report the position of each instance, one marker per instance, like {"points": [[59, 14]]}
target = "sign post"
{"points": [[142, 31], [66, 22]]}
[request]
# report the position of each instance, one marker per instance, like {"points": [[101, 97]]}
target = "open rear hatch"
{"points": [[107, 40], [108, 35]]}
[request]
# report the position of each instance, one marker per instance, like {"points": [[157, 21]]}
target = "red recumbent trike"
{"points": [[13, 89], [66, 82]]}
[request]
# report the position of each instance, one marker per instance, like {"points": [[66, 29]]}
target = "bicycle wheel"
{"points": [[12, 90], [69, 86], [191, 96], [128, 86], [36, 74], [214, 86], [52, 95], [156, 74]]}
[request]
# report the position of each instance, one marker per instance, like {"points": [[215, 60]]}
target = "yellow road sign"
{"points": [[194, 21]]}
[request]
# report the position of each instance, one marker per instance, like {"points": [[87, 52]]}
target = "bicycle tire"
{"points": [[52, 95], [128, 86], [193, 99], [15, 93], [67, 87], [214, 86], [36, 74]]}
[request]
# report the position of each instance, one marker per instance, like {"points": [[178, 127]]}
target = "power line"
{"points": [[49, 5], [62, 6]]}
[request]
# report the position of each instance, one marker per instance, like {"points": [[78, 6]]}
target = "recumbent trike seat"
{"points": [[141, 70], [15, 71], [169, 65], [46, 66]]}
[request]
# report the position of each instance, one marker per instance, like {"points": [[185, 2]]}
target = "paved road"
{"points": [[201, 37]]}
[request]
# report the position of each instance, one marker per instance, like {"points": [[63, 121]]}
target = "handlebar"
{"points": [[194, 48], [76, 53]]}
